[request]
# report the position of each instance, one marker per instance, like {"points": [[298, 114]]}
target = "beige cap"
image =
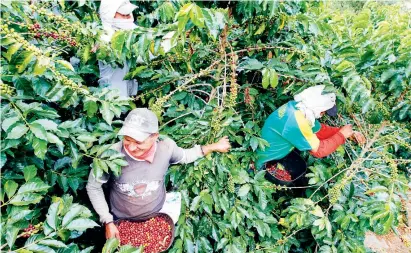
{"points": [[139, 124]]}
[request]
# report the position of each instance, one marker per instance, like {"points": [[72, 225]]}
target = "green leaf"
{"points": [[11, 235], [135, 72], [344, 66], [254, 143], [18, 216], [319, 223], [74, 211], [273, 78], [3, 159], [52, 138], [10, 188], [188, 244], [102, 164], [53, 243], [222, 243], [17, 131], [52, 215], [243, 191], [90, 107], [30, 187], [105, 111], [387, 75], [251, 64], [120, 162], [26, 199], [81, 224], [266, 78], [47, 124], [38, 130], [130, 249], [259, 225], [29, 172], [116, 169], [86, 138], [12, 50], [66, 64], [39, 248], [195, 204], [262, 199], [64, 234], [97, 171], [261, 29], [408, 70], [196, 16], [24, 59], [40, 147], [317, 212], [185, 10], [41, 65], [63, 183], [8, 122], [117, 41], [111, 245]]}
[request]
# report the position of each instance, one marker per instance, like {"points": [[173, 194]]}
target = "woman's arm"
{"points": [[326, 131], [329, 145]]}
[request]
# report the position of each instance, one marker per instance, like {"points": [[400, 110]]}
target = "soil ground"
{"points": [[392, 243]]}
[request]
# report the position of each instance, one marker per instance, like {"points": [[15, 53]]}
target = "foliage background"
{"points": [[207, 69]]}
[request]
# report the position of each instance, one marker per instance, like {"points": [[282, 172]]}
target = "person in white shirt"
{"points": [[117, 15]]}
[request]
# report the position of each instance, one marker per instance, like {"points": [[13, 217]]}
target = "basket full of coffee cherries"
{"points": [[155, 234], [288, 171]]}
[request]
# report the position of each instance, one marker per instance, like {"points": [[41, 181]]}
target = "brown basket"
{"points": [[169, 221]]}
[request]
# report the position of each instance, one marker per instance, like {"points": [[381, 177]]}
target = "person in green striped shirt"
{"points": [[295, 125]]}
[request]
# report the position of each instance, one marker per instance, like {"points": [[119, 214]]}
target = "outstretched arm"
{"points": [[184, 156], [222, 146], [326, 131]]}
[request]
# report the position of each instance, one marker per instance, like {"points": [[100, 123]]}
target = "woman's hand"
{"points": [[223, 146], [347, 131], [359, 137], [112, 231]]}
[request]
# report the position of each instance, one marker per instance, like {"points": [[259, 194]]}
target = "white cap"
{"points": [[139, 124], [126, 8], [108, 8]]}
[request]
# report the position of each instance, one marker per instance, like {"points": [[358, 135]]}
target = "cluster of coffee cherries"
{"points": [[36, 28], [68, 82], [233, 82], [5, 89], [31, 230], [10, 33], [154, 234], [157, 107], [335, 191], [216, 120], [63, 22]]}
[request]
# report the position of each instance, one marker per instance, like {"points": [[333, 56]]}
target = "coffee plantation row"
{"points": [[207, 69]]}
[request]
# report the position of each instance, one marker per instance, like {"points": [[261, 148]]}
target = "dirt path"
{"points": [[392, 243]]}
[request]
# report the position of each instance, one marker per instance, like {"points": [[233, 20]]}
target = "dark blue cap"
{"points": [[332, 111]]}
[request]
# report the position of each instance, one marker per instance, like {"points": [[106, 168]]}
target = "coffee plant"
{"points": [[207, 69]]}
